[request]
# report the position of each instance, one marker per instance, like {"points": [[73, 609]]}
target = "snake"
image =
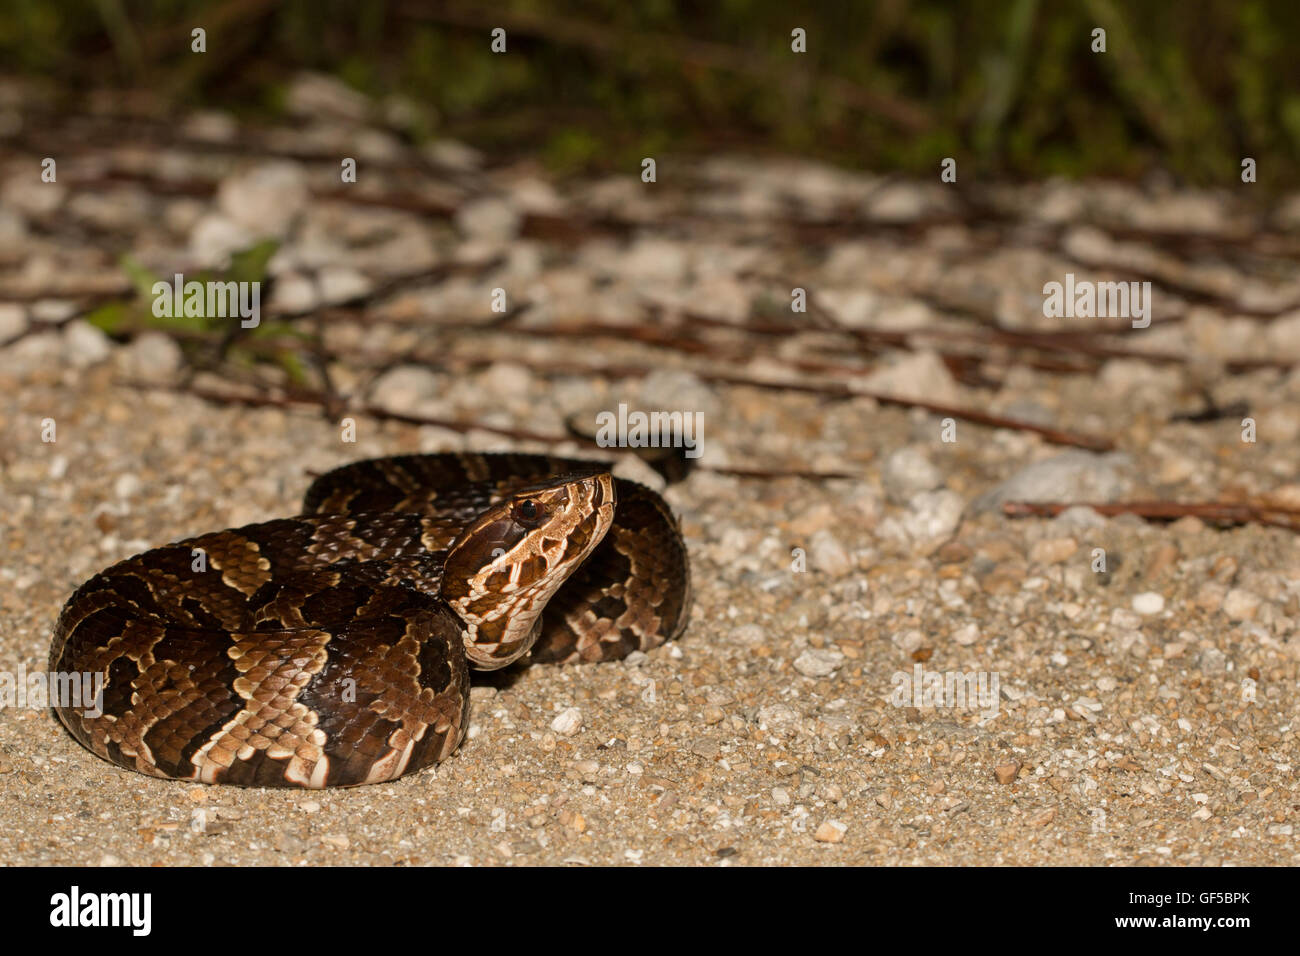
{"points": [[334, 648]]}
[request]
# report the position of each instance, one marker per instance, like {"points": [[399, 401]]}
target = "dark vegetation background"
{"points": [[1010, 88]]}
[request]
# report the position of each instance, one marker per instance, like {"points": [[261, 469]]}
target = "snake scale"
{"points": [[333, 648]]}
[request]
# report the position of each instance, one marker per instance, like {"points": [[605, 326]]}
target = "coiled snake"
{"points": [[333, 648]]}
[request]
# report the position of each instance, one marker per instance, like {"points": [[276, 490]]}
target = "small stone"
{"points": [[1163, 557], [339, 285], [293, 293], [126, 485], [153, 357], [967, 634], [309, 806], [265, 199], [1006, 772], [338, 841], [403, 388], [489, 218], [1053, 550], [313, 95], [507, 380], [1241, 605], [1285, 496], [1005, 579], [933, 516], [1070, 476], [214, 237], [827, 555], [908, 471], [13, 320], [84, 345], [831, 831], [818, 662], [779, 717], [909, 641], [453, 155], [1189, 525], [1210, 596], [568, 722], [1041, 818], [919, 375], [1148, 602]]}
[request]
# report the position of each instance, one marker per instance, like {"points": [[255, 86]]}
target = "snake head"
{"points": [[508, 562]]}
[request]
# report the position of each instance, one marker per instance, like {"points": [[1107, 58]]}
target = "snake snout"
{"points": [[506, 565]]}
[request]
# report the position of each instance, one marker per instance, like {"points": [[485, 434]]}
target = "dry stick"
{"points": [[1219, 511], [1254, 237], [1053, 436], [836, 390], [329, 404], [1066, 342]]}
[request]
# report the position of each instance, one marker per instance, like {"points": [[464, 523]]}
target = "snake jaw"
{"points": [[505, 566]]}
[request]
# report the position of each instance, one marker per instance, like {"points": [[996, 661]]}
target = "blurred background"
{"points": [[1011, 87]]}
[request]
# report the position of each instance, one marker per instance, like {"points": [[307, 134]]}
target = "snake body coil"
{"points": [[333, 648]]}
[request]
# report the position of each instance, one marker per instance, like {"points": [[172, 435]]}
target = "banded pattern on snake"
{"points": [[333, 648]]}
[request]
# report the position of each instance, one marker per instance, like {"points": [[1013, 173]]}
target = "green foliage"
{"points": [[1010, 88], [197, 332]]}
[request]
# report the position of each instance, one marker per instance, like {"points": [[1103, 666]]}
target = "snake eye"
{"points": [[529, 511]]}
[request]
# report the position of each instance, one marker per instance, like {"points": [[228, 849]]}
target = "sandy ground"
{"points": [[717, 748], [1145, 704]]}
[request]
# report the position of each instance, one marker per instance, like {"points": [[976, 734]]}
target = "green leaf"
{"points": [[140, 277], [249, 265], [110, 318]]}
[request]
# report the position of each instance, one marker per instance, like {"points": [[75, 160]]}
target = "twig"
{"points": [[1223, 512], [332, 407]]}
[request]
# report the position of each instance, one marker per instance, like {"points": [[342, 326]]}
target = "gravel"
{"points": [[1143, 712]]}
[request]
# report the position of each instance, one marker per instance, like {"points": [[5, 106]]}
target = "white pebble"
{"points": [[909, 641], [1148, 602], [568, 722], [818, 663], [126, 485]]}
